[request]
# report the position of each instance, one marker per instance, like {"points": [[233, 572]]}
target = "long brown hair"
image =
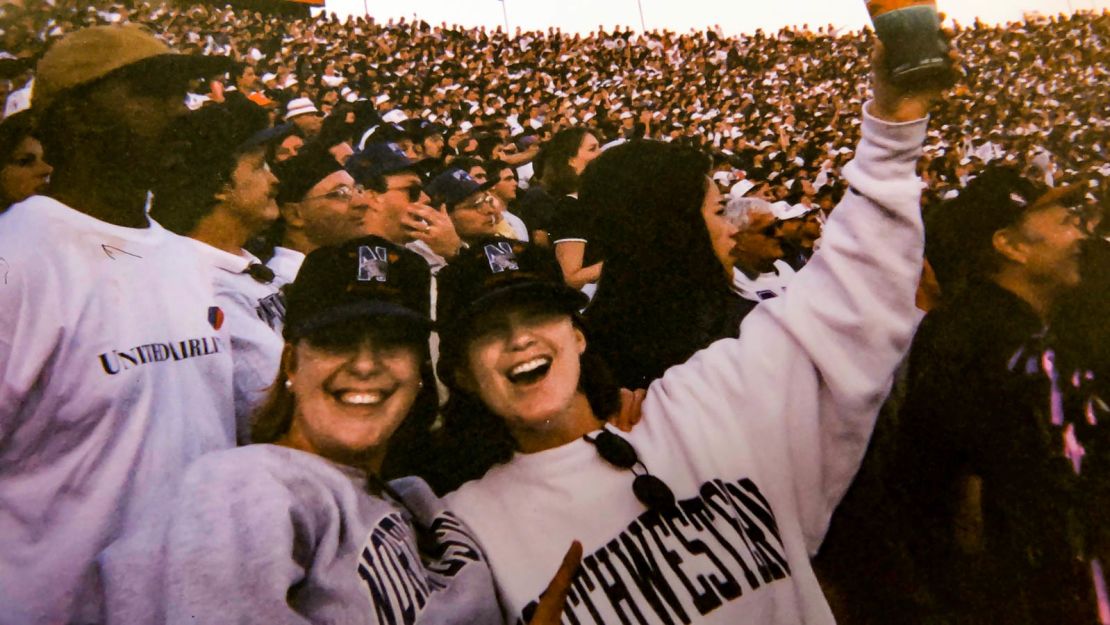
{"points": [[559, 178], [274, 417]]}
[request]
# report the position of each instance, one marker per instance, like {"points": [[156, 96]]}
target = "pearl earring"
{"points": [[289, 385]]}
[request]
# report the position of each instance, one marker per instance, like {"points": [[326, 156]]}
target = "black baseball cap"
{"points": [[377, 160], [496, 270], [1000, 196], [368, 277], [486, 276], [300, 173]]}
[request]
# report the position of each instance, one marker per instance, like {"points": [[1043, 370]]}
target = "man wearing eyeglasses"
{"points": [[320, 205], [472, 208]]}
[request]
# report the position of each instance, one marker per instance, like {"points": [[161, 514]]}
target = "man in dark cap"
{"points": [[113, 355], [472, 207], [1001, 506], [320, 205]]}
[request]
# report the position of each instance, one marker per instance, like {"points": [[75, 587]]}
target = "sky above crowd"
{"points": [[681, 15]]}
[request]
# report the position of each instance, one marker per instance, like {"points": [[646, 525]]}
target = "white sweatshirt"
{"points": [[271, 535], [759, 437], [255, 314], [115, 374]]}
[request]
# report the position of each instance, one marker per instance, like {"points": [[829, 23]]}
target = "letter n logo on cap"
{"points": [[373, 264], [215, 317], [501, 257]]}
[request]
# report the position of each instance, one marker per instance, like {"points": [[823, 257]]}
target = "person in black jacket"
{"points": [[1000, 504]]}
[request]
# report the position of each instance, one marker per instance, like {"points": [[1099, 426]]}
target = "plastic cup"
{"points": [[910, 31]]}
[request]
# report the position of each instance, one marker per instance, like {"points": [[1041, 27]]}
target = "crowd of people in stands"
{"points": [[323, 320]]}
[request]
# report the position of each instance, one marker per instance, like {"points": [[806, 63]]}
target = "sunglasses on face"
{"points": [[414, 191], [770, 230]]}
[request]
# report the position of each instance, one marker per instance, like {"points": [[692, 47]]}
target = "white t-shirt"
{"points": [[758, 437], [285, 264], [115, 374], [255, 313], [520, 230]]}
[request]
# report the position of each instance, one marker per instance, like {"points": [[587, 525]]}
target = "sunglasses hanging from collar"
{"points": [[261, 273], [650, 490]]}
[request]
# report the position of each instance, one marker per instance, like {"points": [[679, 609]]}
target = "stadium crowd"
{"points": [[322, 320]]}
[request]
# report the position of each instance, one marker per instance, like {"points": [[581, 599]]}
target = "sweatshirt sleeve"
{"points": [[230, 551], [801, 387]]}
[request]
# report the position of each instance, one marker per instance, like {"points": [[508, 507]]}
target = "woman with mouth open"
{"points": [[299, 527], [710, 509]]}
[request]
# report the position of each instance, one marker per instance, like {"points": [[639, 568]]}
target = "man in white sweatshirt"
{"points": [[115, 370]]}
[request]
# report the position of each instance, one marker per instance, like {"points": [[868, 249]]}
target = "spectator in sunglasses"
{"points": [[402, 212], [759, 273]]}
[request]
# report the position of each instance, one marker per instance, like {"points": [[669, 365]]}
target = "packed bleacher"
{"points": [[334, 320]]}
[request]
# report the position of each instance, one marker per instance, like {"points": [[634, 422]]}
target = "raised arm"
{"points": [[805, 380]]}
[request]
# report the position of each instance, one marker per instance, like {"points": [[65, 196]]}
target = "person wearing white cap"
{"points": [[302, 112], [759, 273], [796, 231]]}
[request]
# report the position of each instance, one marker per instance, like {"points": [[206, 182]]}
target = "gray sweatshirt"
{"points": [[267, 534]]}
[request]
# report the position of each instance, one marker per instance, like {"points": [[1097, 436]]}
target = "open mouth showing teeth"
{"points": [[531, 371], [360, 398]]}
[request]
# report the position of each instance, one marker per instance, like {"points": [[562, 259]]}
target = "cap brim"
{"points": [[410, 167], [265, 137], [186, 65], [564, 297], [354, 312], [1065, 195]]}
